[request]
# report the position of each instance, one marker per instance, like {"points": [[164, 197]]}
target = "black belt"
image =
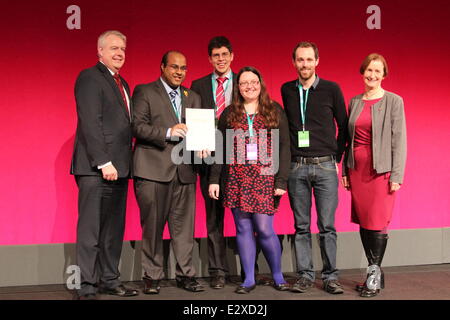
{"points": [[313, 160]]}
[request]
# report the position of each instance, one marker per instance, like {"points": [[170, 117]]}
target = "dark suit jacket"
{"points": [[203, 87], [104, 128], [153, 114]]}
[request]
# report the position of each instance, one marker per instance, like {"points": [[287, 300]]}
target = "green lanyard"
{"points": [[303, 105], [214, 87], [250, 123]]}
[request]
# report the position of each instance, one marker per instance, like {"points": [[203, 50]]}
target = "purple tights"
{"points": [[246, 226]]}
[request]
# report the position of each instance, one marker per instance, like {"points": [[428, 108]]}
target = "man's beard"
{"points": [[309, 76]]}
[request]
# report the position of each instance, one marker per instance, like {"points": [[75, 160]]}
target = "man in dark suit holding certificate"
{"points": [[165, 190]]}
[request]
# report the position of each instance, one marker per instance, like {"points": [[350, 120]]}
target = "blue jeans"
{"points": [[323, 181]]}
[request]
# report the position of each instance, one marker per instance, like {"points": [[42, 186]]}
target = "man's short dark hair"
{"points": [[306, 44], [165, 57], [219, 42]]}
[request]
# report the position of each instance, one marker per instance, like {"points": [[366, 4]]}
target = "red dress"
{"points": [[372, 203], [246, 188]]}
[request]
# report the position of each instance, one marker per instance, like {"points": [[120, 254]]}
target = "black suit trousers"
{"points": [[161, 202], [100, 231], [217, 263]]}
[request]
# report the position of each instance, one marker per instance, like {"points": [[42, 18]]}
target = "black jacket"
{"points": [[104, 129]]}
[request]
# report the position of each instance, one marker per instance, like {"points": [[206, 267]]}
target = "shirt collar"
{"points": [[112, 72], [315, 83], [168, 88], [228, 74]]}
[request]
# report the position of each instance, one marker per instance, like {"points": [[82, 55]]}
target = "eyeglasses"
{"points": [[246, 84], [217, 56], [176, 67]]}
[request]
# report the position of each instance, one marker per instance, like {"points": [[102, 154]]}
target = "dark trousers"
{"points": [[217, 264], [161, 202], [100, 230]]}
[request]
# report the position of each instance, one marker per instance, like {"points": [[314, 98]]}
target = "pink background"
{"points": [[41, 59]]}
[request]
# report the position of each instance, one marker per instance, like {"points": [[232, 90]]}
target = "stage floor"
{"points": [[429, 282]]}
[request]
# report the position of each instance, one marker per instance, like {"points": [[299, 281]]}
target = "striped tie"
{"points": [[173, 94], [220, 96]]}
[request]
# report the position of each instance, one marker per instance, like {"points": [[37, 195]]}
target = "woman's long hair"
{"points": [[266, 107]]}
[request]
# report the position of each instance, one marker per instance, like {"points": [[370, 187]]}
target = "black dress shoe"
{"points": [[189, 284], [282, 286], [151, 286], [120, 291], [243, 290], [217, 282]]}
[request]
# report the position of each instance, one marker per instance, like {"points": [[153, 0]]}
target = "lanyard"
{"points": [[214, 86], [250, 123], [303, 105]]}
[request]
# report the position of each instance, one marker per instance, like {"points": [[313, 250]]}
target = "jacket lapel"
{"points": [[209, 89], [184, 103], [109, 78], [355, 112], [166, 100], [127, 89]]}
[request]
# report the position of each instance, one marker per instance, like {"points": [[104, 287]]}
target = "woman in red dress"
{"points": [[374, 164], [254, 175]]}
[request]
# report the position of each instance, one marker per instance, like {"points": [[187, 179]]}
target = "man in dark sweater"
{"points": [[314, 107]]}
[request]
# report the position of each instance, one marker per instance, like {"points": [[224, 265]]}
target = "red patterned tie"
{"points": [[122, 91], [220, 96]]}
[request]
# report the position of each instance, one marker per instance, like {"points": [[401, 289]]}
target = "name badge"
{"points": [[252, 151], [303, 139]]}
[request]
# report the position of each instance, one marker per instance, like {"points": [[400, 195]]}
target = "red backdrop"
{"points": [[41, 59]]}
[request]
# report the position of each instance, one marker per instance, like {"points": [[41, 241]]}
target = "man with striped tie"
{"points": [[216, 90], [165, 191]]}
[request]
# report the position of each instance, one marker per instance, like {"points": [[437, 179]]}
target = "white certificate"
{"points": [[201, 134]]}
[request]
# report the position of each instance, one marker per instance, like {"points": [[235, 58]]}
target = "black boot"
{"points": [[377, 247], [363, 233]]}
